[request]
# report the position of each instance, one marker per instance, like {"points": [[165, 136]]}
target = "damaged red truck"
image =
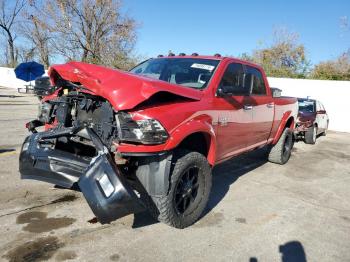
{"points": [[149, 138]]}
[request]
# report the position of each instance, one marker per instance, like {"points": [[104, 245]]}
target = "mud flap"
{"points": [[106, 190]]}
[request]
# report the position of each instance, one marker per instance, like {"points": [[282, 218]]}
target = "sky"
{"points": [[236, 27]]}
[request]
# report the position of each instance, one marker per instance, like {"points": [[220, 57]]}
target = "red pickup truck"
{"points": [[149, 138]]}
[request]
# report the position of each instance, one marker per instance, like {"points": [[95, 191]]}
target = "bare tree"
{"points": [[37, 33], [4, 61], [92, 31], [9, 14], [40, 36], [25, 54]]}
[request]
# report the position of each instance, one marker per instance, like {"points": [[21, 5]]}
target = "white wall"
{"points": [[334, 95], [8, 78]]}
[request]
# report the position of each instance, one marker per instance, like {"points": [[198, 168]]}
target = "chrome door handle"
{"points": [[270, 105], [247, 107]]}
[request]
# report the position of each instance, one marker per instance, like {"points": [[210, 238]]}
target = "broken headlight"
{"points": [[144, 131]]}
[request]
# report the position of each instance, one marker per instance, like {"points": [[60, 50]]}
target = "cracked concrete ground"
{"points": [[258, 211]]}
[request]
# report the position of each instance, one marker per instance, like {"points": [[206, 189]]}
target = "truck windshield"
{"points": [[307, 106], [189, 72]]}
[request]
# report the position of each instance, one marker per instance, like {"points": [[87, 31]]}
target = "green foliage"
{"points": [[338, 69], [285, 57]]}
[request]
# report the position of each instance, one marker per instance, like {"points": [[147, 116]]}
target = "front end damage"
{"points": [[305, 121], [78, 150], [106, 190]]}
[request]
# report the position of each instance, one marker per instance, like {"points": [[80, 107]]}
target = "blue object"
{"points": [[29, 71]]}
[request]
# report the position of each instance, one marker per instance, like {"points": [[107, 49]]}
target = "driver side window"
{"points": [[234, 78]]}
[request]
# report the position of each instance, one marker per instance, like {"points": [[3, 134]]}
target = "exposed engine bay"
{"points": [[75, 108]]}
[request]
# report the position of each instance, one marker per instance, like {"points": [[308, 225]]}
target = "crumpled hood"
{"points": [[122, 89]]}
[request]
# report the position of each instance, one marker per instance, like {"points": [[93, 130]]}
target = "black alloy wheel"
{"points": [[186, 190]]}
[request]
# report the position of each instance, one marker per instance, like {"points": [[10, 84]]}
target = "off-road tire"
{"points": [[166, 208], [310, 135], [281, 151]]}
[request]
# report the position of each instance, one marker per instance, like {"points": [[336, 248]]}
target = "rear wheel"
{"points": [[281, 151], [189, 191], [311, 135]]}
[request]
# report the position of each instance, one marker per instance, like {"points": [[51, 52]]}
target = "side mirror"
{"points": [[276, 92], [225, 91], [321, 112], [232, 91]]}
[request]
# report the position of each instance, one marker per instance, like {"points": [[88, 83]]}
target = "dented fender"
{"points": [[200, 124]]}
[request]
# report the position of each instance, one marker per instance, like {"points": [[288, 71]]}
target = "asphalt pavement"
{"points": [[258, 211]]}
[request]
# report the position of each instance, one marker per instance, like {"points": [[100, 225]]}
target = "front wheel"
{"points": [[281, 151], [189, 191]]}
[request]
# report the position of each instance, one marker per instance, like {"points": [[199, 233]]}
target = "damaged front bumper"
{"points": [[39, 162], [106, 190]]}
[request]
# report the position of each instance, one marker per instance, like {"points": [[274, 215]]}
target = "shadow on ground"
{"points": [[228, 172], [224, 175], [292, 251], [143, 219], [10, 96], [5, 150]]}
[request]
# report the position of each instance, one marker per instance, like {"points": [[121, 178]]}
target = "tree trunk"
{"points": [[45, 60], [11, 50]]}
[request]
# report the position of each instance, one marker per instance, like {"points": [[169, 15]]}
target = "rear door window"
{"points": [[254, 80]]}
